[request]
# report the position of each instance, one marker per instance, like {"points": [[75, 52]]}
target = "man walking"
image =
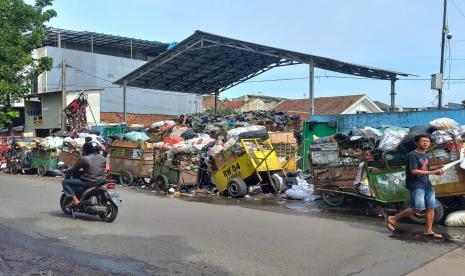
{"points": [[422, 195]]}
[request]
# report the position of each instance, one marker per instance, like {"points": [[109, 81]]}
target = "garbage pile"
{"points": [[273, 121], [388, 147]]}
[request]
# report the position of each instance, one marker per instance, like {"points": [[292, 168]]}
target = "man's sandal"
{"points": [[390, 226], [433, 236]]}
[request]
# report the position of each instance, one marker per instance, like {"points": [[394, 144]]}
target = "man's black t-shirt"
{"points": [[417, 161]]}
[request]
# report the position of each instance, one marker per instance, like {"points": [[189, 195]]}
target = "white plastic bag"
{"points": [[296, 193], [136, 136], [157, 124], [234, 133], [302, 191], [456, 219], [440, 137], [445, 124], [391, 138]]}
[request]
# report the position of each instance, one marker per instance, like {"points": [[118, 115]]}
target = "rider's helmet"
{"points": [[90, 147]]}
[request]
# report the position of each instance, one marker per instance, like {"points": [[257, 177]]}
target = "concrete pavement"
{"points": [[449, 264], [164, 236]]}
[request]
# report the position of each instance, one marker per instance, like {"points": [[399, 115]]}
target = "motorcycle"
{"points": [[101, 200]]}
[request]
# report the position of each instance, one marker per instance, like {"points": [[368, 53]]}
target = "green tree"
{"points": [[22, 30]]}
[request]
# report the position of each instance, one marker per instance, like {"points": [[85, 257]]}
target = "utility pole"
{"points": [[443, 40], [63, 94]]}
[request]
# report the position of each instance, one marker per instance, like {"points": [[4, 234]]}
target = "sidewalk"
{"points": [[449, 264]]}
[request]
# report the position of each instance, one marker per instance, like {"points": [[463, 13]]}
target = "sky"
{"points": [[397, 35]]}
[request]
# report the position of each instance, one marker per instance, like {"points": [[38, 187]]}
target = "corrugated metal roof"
{"points": [[99, 39], [204, 63]]}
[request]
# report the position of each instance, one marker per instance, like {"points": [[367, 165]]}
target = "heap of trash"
{"points": [[386, 147], [201, 142]]}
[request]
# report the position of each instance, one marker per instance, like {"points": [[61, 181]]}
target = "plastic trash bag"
{"points": [[188, 134], [456, 219], [234, 133], [440, 137], [136, 136], [366, 132], [178, 130], [51, 142], [408, 144], [392, 137], [445, 124], [302, 191]]}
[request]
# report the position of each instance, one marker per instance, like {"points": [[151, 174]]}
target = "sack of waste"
{"points": [[234, 133], [408, 144], [366, 132], [261, 134], [302, 191], [136, 136], [392, 137], [440, 137], [178, 131], [456, 219], [51, 143], [445, 124], [188, 134]]}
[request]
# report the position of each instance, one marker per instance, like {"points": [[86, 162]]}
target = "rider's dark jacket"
{"points": [[93, 166]]}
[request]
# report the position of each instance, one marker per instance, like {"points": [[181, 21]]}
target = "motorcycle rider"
{"points": [[93, 171]]}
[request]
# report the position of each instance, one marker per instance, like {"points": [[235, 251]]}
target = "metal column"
{"points": [[63, 95], [124, 101], [311, 82], [393, 95], [443, 38]]}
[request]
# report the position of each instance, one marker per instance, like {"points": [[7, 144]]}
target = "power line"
{"points": [[461, 12]]}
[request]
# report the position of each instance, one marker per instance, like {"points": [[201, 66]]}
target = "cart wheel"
{"points": [[237, 187], [15, 168], [278, 183], [161, 181], [333, 199], [438, 214], [126, 178], [41, 171]]}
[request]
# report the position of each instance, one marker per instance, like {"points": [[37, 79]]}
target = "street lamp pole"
{"points": [[443, 41]]}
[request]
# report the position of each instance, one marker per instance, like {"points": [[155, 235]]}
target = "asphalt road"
{"points": [[164, 236]]}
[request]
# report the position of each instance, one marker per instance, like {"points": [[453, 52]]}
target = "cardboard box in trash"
{"points": [[224, 158], [282, 137], [69, 158]]}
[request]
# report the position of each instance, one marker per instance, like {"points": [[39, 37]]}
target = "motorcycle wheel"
{"points": [[112, 212], [64, 202]]}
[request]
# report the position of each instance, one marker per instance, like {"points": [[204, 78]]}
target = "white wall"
{"points": [[93, 98], [362, 106]]}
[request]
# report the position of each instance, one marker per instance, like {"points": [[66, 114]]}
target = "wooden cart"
{"points": [[174, 174], [131, 161]]}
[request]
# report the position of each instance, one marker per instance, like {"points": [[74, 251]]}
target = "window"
{"points": [[37, 120]]}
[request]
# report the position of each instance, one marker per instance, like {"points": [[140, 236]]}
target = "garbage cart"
{"points": [[44, 161], [257, 163], [131, 161]]}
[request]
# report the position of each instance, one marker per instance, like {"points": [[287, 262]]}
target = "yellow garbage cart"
{"points": [[257, 164]]}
